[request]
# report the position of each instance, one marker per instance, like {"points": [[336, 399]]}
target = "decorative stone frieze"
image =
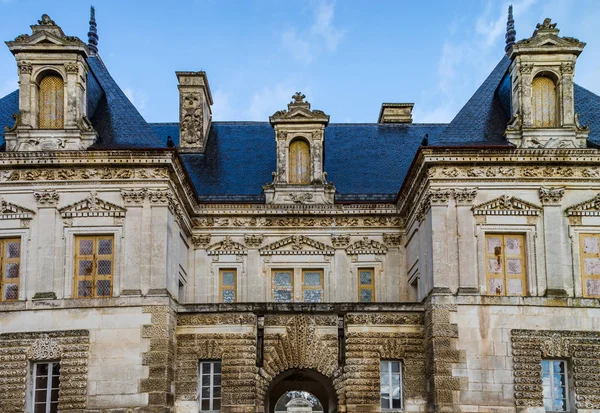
{"points": [[507, 205], [46, 199], [227, 247], [384, 319], [12, 211], [253, 240], [216, 319], [366, 246], [195, 114], [340, 241], [392, 240], [590, 207], [464, 196], [297, 245], [284, 319], [201, 241], [551, 196], [83, 174], [92, 206], [523, 172], [296, 222], [134, 197]]}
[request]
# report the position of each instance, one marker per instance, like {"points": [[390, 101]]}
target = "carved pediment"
{"points": [[227, 247], [297, 245], [546, 36], [366, 246], [591, 207], [12, 211], [92, 206], [299, 112], [46, 32], [506, 205]]}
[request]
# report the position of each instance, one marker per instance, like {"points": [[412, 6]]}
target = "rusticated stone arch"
{"points": [[208, 350], [391, 349]]}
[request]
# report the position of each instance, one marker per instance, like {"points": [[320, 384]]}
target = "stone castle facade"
{"points": [[149, 268]]}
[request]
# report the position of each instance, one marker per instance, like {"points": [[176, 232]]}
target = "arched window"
{"points": [[51, 104], [544, 103], [299, 162]]}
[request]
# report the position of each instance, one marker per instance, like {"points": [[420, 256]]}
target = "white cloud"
{"points": [[221, 108], [323, 25], [137, 98], [271, 99], [300, 49]]}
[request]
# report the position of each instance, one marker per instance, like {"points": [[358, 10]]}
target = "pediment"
{"points": [[366, 246], [9, 210], [44, 38], [227, 247], [92, 206], [591, 207], [297, 245], [299, 111], [506, 205]]}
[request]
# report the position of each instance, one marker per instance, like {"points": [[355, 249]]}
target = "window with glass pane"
{"points": [[283, 286], [94, 266], [10, 268], [51, 104], [312, 286], [391, 384], [589, 248], [505, 264], [45, 387], [366, 285], [554, 384], [228, 286], [209, 388]]}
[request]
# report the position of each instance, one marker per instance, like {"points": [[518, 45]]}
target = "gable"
{"points": [[297, 245], [92, 206], [507, 205]]}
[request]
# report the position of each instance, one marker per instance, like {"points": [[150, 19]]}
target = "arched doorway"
{"points": [[302, 380]]}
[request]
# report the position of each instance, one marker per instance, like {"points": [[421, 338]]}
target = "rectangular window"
{"points": [[283, 286], [312, 286], [554, 384], [45, 387], [210, 386], [10, 268], [589, 247], [94, 266], [366, 285], [390, 381], [505, 264], [228, 286]]}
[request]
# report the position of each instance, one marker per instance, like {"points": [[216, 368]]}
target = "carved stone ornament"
{"points": [[44, 348], [201, 241], [392, 240], [438, 196], [12, 211], [71, 67], [366, 246], [92, 206], [25, 68], [591, 207], [464, 195], [46, 21], [340, 241], [260, 222], [296, 245], [301, 197], [83, 174], [46, 199], [160, 197], [506, 205], [227, 247], [299, 111], [550, 196], [253, 240], [134, 197], [191, 118]]}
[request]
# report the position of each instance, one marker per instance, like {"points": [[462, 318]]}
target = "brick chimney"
{"points": [[395, 113], [195, 114]]}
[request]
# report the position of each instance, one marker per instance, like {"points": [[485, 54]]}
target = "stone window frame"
{"points": [[402, 374], [568, 387], [211, 398], [378, 279], [574, 233], [533, 259], [24, 235], [241, 287], [235, 284], [69, 235], [32, 383], [297, 268]]}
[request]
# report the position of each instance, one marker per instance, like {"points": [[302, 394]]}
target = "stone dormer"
{"points": [[52, 91], [299, 135], [195, 114], [395, 113], [542, 70]]}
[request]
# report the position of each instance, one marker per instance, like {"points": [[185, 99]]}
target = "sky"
{"points": [[346, 56]]}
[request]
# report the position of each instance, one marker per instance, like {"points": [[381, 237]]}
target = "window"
{"points": [[45, 387], [94, 265], [299, 162], [283, 286], [210, 386], [10, 269], [390, 381], [366, 285], [312, 286], [51, 105], [554, 384], [228, 286], [589, 247], [544, 103], [505, 264]]}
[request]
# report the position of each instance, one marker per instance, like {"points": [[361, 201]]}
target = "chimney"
{"points": [[195, 114], [395, 113]]}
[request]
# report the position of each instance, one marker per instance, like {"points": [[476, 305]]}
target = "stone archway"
{"points": [[302, 380]]}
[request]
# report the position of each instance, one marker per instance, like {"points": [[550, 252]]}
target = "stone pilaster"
{"points": [[47, 217], [466, 240]]}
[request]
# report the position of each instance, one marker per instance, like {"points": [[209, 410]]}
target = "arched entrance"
{"points": [[302, 380]]}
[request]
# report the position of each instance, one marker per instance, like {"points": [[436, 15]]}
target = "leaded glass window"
{"points": [[94, 266], [228, 286], [390, 380], [589, 247], [51, 103], [10, 268], [544, 110], [312, 286], [366, 285], [46, 378], [554, 385], [209, 386], [283, 286], [505, 264]]}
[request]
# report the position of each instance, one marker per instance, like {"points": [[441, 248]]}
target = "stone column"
{"points": [[47, 216], [466, 241], [71, 94], [558, 262], [159, 201], [133, 248], [438, 199], [25, 94]]}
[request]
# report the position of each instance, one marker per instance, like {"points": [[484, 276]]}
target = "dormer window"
{"points": [[544, 102], [299, 162], [51, 102]]}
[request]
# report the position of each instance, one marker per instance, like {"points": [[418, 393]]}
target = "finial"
{"points": [[46, 21], [510, 30], [93, 33], [298, 97]]}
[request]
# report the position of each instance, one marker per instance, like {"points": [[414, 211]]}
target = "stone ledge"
{"points": [[265, 308], [528, 301]]}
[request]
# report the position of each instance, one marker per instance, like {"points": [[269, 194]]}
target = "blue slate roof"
{"points": [[9, 104]]}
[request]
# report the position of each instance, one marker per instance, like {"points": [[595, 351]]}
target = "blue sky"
{"points": [[347, 56]]}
